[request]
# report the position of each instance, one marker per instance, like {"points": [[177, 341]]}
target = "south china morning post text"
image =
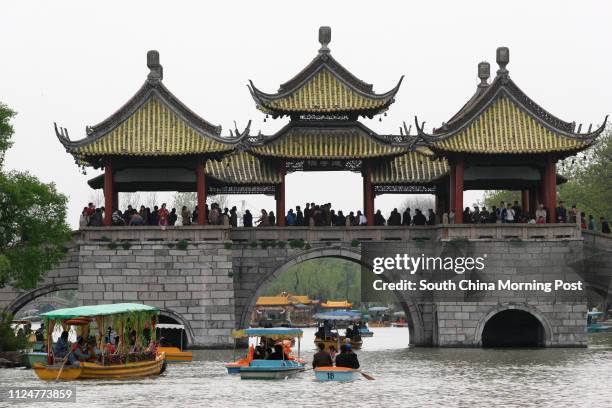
{"points": [[448, 274]]}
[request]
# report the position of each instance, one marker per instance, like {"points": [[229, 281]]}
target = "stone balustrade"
{"points": [[197, 233]]}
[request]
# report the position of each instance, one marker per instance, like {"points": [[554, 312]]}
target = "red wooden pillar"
{"points": [[201, 189], [368, 193], [533, 200], [525, 201], [108, 193], [458, 190], [550, 173], [451, 189], [280, 197]]}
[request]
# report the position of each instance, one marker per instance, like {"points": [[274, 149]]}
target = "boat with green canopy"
{"points": [[95, 355], [264, 363]]}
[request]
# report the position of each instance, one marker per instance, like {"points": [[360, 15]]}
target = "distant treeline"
{"points": [[323, 279]]}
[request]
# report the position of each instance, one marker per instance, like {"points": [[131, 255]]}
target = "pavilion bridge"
{"points": [[500, 139]]}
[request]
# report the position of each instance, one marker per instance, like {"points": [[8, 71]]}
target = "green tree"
{"points": [[33, 228], [589, 175], [494, 197], [325, 279]]}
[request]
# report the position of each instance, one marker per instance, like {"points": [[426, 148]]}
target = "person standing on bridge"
{"points": [[247, 219], [605, 226]]}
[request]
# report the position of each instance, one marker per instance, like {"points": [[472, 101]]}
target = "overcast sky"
{"points": [[74, 63]]}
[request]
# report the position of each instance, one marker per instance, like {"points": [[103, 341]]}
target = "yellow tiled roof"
{"points": [[324, 93], [506, 128], [153, 130], [272, 301], [347, 143], [283, 300], [337, 304], [412, 167], [242, 168]]}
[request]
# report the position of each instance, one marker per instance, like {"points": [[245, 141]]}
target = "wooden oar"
{"points": [[62, 367], [366, 376]]}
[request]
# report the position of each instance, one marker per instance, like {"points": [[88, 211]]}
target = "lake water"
{"points": [[424, 377]]}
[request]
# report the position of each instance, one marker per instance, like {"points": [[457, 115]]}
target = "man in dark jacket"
{"points": [[419, 218], [299, 216], [407, 218], [347, 358], [247, 219], [322, 357], [278, 353]]}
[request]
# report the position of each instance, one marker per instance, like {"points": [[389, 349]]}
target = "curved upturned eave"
{"points": [[441, 134], [149, 89]]}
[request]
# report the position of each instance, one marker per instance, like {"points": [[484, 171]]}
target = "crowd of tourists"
{"points": [[87, 348], [513, 213], [321, 215]]}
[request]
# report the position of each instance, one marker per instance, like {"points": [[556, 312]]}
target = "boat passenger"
{"points": [[278, 353], [92, 349], [260, 353], [347, 358], [61, 348], [333, 352], [78, 349], [321, 357]]}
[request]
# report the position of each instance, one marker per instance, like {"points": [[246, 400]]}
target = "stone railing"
{"points": [[314, 234], [598, 239], [190, 233], [509, 231], [334, 233]]}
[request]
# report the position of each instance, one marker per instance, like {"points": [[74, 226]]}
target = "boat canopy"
{"points": [[596, 314], [170, 326], [339, 315], [99, 310], [275, 333], [378, 309]]}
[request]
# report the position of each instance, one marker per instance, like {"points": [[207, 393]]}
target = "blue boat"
{"points": [[251, 368], [270, 369], [336, 374], [365, 331], [593, 324]]}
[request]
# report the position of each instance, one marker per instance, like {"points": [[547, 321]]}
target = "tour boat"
{"points": [[127, 318], [336, 374], [593, 324], [174, 354], [32, 357], [87, 370], [365, 331], [250, 368], [327, 333]]}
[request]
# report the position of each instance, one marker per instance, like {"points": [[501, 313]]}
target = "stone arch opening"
{"points": [[413, 313], [27, 297], [173, 337], [513, 328]]}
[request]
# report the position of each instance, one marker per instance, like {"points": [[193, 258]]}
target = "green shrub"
{"points": [[296, 243], [253, 244], [281, 244], [227, 245], [355, 243], [8, 340], [113, 245], [126, 245], [182, 244]]}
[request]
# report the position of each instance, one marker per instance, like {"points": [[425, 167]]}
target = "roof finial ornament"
{"points": [[484, 72], [157, 71], [324, 39], [502, 58]]}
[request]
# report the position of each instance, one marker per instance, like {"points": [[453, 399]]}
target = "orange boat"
{"points": [[174, 354]]}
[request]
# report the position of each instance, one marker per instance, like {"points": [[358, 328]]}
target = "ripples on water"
{"points": [[404, 377]]}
